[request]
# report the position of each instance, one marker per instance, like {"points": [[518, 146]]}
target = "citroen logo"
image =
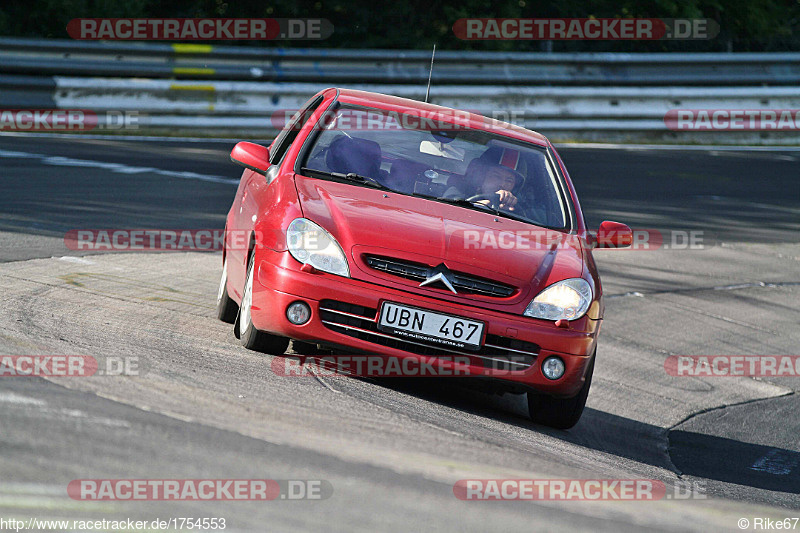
{"points": [[440, 274]]}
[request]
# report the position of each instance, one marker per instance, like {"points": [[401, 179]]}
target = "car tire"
{"points": [[250, 337], [226, 307], [560, 413]]}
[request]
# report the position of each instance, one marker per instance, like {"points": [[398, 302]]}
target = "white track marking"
{"points": [[99, 137], [116, 167], [79, 260], [59, 413], [688, 147], [601, 146], [17, 399]]}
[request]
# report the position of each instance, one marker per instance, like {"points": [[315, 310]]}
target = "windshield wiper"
{"points": [[350, 176], [463, 202]]}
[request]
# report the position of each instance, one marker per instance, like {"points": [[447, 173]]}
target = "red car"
{"points": [[382, 225]]}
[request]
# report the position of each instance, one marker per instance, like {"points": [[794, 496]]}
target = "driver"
{"points": [[500, 180], [493, 173]]}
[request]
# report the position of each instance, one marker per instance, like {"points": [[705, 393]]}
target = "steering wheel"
{"points": [[494, 199]]}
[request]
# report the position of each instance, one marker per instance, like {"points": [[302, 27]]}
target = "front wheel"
{"points": [[560, 413], [226, 307], [250, 337]]}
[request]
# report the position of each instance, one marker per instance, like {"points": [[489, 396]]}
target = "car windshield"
{"points": [[449, 163]]}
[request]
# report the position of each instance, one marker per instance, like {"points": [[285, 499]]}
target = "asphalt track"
{"points": [[206, 408]]}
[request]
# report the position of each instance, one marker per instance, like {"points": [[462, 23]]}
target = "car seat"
{"points": [[359, 156]]}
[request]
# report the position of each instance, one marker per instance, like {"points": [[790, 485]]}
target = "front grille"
{"points": [[463, 283], [502, 353]]}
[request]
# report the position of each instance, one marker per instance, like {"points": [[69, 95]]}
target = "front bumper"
{"points": [[332, 299]]}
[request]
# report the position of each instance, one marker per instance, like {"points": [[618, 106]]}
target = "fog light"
{"points": [[298, 313], [553, 368]]}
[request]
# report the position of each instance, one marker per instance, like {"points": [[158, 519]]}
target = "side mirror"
{"points": [[252, 156], [614, 235]]}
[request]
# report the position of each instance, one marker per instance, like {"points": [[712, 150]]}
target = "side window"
{"points": [[287, 136]]}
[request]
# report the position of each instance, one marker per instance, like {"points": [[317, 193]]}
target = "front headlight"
{"points": [[312, 245], [568, 299]]}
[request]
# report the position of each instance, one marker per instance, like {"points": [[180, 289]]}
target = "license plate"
{"points": [[422, 325]]}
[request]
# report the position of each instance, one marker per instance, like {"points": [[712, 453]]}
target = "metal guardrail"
{"points": [[336, 66], [27, 92], [267, 98], [259, 109], [247, 92]]}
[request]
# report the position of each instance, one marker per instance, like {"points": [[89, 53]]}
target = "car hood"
{"points": [[369, 221]]}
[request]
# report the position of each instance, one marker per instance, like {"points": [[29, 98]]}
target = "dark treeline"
{"points": [[746, 25]]}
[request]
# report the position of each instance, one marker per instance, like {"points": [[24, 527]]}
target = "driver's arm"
{"points": [[507, 200]]}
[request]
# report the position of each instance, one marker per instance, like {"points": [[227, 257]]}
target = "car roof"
{"points": [[445, 114]]}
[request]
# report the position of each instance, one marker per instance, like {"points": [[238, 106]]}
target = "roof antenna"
{"points": [[430, 75]]}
